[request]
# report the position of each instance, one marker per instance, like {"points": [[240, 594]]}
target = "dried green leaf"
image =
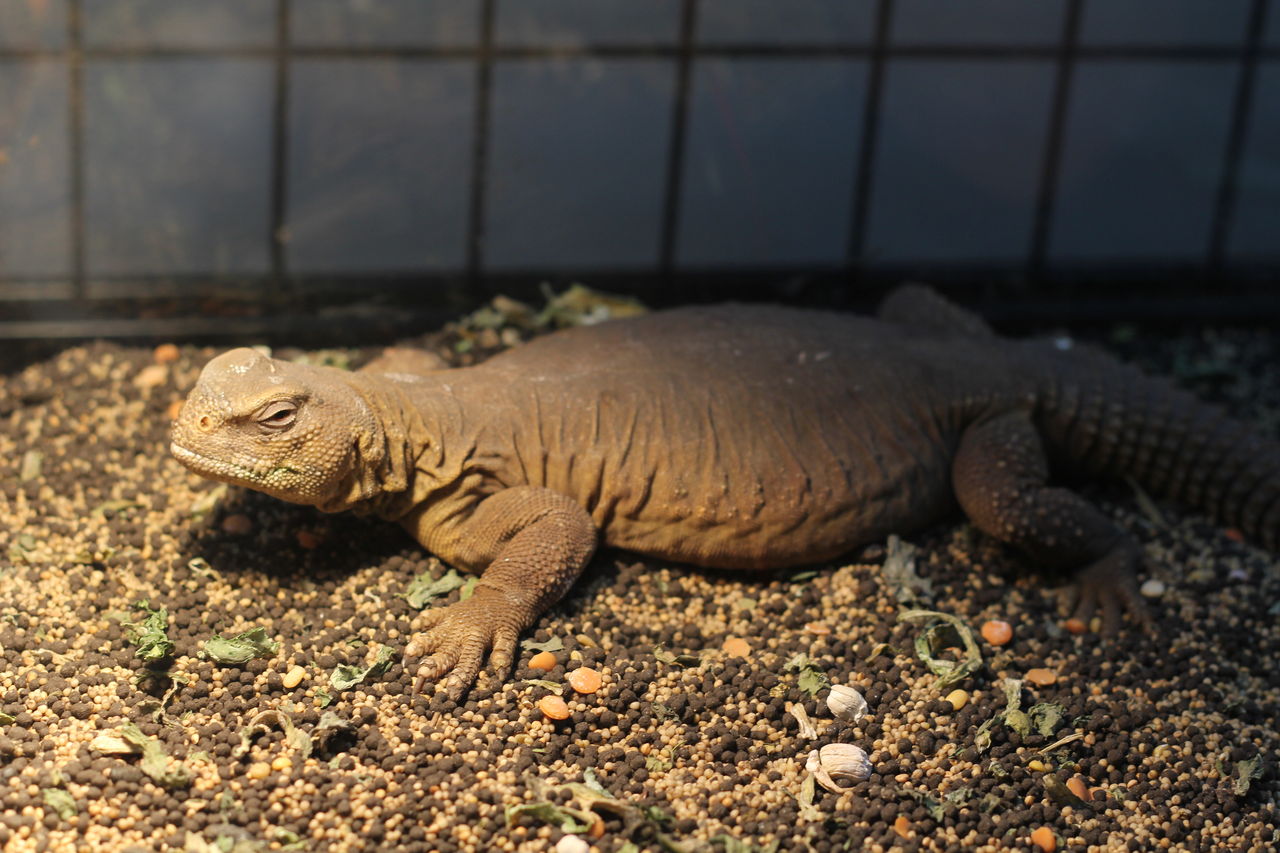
{"points": [[240, 649], [29, 470], [61, 802], [150, 634], [1046, 716], [565, 818], [165, 771], [555, 644], [593, 784], [423, 588], [548, 685], [209, 500], [1018, 721], [899, 572], [114, 506], [7, 719], [468, 587], [941, 631], [346, 676], [1245, 772], [982, 738], [583, 306], [262, 723]]}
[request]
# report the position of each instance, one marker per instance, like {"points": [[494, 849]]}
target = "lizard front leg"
{"points": [[999, 475], [533, 543]]}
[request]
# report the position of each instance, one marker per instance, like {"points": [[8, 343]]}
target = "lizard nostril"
{"points": [[205, 423]]}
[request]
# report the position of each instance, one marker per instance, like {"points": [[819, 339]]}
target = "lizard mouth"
{"points": [[221, 469], [216, 468]]}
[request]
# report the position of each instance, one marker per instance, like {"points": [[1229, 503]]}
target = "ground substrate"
{"points": [[1171, 739]]}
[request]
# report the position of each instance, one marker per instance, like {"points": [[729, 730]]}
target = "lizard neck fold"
{"points": [[399, 453]]}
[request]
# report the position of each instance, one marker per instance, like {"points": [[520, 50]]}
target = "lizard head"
{"points": [[296, 432]]}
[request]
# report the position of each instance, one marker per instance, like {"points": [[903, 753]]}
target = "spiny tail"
{"points": [[1110, 420]]}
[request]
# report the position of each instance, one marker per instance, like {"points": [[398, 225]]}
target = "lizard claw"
{"points": [[1110, 584], [457, 639]]}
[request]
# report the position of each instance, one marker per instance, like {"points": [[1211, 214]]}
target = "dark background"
{"points": [[344, 170]]}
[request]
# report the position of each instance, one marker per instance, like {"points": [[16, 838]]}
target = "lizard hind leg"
{"points": [[1000, 475]]}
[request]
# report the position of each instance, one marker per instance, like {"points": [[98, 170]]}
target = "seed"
{"points": [[902, 826], [997, 632], [1037, 765], [293, 677], [958, 698], [1075, 626], [1152, 588], [1044, 839], [282, 763], [151, 376], [584, 679], [736, 647], [570, 843], [258, 770], [237, 525], [819, 628], [553, 707], [166, 353], [1041, 677], [846, 703], [1079, 787], [545, 661]]}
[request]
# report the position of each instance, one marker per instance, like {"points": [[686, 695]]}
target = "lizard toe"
{"points": [[1110, 584]]}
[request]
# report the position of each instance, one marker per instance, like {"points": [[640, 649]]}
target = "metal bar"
{"points": [[480, 146], [1135, 52], [75, 71], [1068, 51], [276, 238], [863, 177], [676, 143], [1241, 109]]}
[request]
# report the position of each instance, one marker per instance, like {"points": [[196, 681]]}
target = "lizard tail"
{"points": [[1110, 420]]}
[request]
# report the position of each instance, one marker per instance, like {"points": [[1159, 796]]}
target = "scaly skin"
{"points": [[736, 436]]}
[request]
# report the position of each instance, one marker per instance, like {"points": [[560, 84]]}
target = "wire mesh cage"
{"points": [[162, 164]]}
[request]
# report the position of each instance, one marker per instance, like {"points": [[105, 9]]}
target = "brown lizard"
{"points": [[735, 436]]}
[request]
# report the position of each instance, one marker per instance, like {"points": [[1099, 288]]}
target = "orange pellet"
{"points": [[166, 353], [307, 539], [736, 647], [1044, 839], [902, 826], [1075, 626], [597, 828], [584, 679], [1078, 787], [1042, 677], [175, 409], [997, 632], [1234, 534], [544, 661], [553, 707]]}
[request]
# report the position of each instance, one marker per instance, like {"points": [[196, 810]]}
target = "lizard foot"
{"points": [[455, 640], [1111, 584]]}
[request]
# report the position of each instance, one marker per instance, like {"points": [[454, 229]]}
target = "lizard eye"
{"points": [[278, 415]]}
